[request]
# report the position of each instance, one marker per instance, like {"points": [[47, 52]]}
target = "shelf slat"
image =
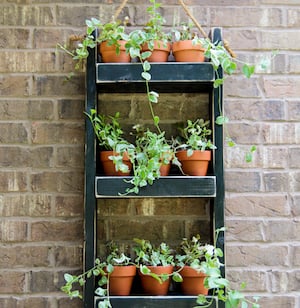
{"points": [[154, 301], [160, 72], [165, 186]]}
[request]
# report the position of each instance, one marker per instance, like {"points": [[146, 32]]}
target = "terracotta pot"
{"points": [[185, 51], [165, 169], [196, 164], [160, 52], [120, 280], [193, 282], [151, 286], [109, 167], [109, 54]]}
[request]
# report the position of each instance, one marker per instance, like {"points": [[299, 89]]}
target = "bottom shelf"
{"points": [[155, 301]]}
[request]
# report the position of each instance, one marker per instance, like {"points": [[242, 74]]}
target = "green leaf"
{"points": [[248, 70], [146, 66], [146, 54], [220, 120], [177, 277], [68, 277], [146, 76]]}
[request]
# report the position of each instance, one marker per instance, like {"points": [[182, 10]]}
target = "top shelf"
{"points": [[193, 77]]}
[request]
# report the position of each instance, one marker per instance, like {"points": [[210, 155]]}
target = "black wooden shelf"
{"points": [[169, 77], [165, 186], [155, 301]]}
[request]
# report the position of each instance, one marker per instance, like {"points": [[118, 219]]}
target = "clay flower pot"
{"points": [[185, 51], [109, 53], [120, 280], [151, 286], [193, 281], [160, 52], [109, 167], [196, 164]]}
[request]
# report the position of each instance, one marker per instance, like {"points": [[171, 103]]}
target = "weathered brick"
{"points": [[275, 181], [70, 109], [72, 157], [274, 157], [25, 205], [255, 110], [244, 133], [244, 231], [11, 181], [17, 15], [278, 301], [44, 85], [29, 61], [294, 154], [284, 281], [55, 133], [15, 256], [15, 38], [295, 255], [255, 280], [75, 15], [294, 181], [238, 181], [293, 110], [282, 230], [67, 182], [68, 256], [256, 255], [43, 281], [279, 87], [295, 204], [56, 230], [235, 86], [258, 206], [258, 17], [235, 157], [69, 206], [13, 230], [275, 133], [12, 282], [8, 85]]}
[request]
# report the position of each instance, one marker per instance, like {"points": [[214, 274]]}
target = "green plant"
{"points": [[194, 136], [154, 27], [148, 254], [206, 258], [151, 151], [184, 32], [110, 137], [102, 270], [110, 32]]}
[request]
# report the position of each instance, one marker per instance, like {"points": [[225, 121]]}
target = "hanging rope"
{"points": [[188, 12], [119, 10]]}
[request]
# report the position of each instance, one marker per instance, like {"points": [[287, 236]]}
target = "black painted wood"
{"points": [[155, 302], [166, 186], [168, 77]]}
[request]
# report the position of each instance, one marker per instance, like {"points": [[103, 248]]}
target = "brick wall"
{"points": [[42, 136]]}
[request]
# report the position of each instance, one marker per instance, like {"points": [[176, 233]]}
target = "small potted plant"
{"points": [[114, 275], [186, 46], [156, 266], [114, 149], [151, 158], [191, 254], [156, 40], [193, 147]]}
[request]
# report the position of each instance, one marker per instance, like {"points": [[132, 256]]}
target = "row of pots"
{"points": [[194, 165], [121, 279], [183, 51]]}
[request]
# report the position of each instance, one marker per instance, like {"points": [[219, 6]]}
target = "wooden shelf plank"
{"points": [[154, 301], [166, 186]]}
